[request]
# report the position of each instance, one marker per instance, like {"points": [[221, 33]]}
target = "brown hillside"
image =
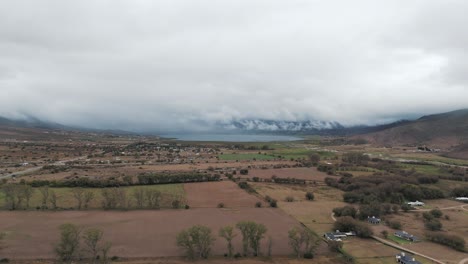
{"points": [[444, 131]]}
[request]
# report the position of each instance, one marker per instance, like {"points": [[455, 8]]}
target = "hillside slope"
{"points": [[444, 131]]}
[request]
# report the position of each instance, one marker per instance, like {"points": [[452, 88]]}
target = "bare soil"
{"points": [[142, 234], [311, 174], [210, 194]]}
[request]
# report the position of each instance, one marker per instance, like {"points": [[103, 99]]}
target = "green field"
{"points": [[299, 153], [425, 169], [66, 200], [398, 240], [246, 156]]}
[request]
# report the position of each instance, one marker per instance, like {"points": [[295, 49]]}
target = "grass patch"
{"points": [[247, 156], [398, 240]]}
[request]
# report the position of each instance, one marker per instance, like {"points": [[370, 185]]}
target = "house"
{"points": [[338, 236], [462, 199], [405, 259], [406, 236], [417, 203], [373, 220]]}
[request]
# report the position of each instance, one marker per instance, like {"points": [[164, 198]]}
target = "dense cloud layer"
{"points": [[152, 65]]}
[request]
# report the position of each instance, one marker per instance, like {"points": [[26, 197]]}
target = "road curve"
{"points": [[23, 172]]}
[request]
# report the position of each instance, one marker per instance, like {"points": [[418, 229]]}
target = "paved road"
{"points": [[30, 170]]}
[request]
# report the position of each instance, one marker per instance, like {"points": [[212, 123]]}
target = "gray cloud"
{"points": [[187, 64]]}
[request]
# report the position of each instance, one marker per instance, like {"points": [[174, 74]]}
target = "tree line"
{"points": [[18, 196], [197, 240]]}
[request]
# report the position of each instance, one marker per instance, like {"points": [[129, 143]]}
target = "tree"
{"points": [[314, 158], [295, 241], [309, 196], [13, 196], [92, 238], [347, 224], [67, 248], [196, 241], [88, 197], [105, 251], [252, 234], [227, 233], [78, 194], [53, 200], [139, 195], [28, 191], [302, 241], [45, 195], [153, 198]]}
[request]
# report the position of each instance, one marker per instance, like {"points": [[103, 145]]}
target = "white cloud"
{"points": [[185, 64]]}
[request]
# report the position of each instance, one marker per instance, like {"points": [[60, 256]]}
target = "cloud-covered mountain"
{"points": [[280, 126]]}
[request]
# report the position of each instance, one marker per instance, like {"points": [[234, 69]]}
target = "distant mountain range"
{"points": [[448, 131], [444, 131], [281, 126]]}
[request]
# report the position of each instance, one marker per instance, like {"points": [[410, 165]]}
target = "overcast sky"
{"points": [[155, 65]]}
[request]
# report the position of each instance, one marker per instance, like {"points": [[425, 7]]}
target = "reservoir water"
{"points": [[231, 137]]}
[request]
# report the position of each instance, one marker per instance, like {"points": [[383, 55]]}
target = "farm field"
{"points": [[140, 234], [311, 174], [413, 224], [369, 251], [210, 194], [246, 156], [314, 214]]}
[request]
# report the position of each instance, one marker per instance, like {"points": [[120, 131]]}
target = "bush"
{"points": [[258, 204], [309, 196], [289, 199], [433, 225], [187, 207], [221, 205], [384, 233], [348, 224], [345, 211], [308, 255], [175, 204], [455, 242], [436, 213], [394, 224], [427, 216], [273, 203]]}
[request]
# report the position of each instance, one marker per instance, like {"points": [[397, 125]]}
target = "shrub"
{"points": [[384, 233], [347, 224], [256, 179], [187, 207], [258, 204], [309, 196], [427, 216], [345, 211], [273, 203], [436, 213], [175, 204], [394, 224], [221, 205], [433, 225], [455, 242], [289, 199]]}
